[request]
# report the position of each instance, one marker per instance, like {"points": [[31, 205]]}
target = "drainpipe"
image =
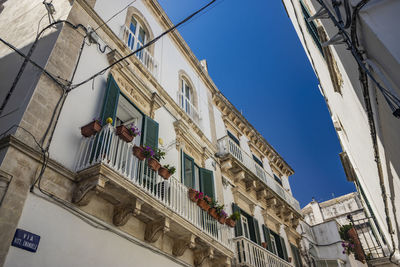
{"points": [[373, 113]]}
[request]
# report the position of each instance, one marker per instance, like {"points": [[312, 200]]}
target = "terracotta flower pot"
{"points": [[91, 129], [213, 213], [138, 152], [203, 204], [153, 164], [358, 251], [192, 194], [221, 219], [264, 245], [124, 134], [230, 222], [164, 173]]}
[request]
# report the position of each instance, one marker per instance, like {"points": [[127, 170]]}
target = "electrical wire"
{"points": [[144, 46], [113, 16]]}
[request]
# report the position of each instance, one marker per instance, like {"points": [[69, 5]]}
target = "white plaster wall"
{"points": [[219, 123], [378, 21], [81, 106], [166, 52], [167, 134], [66, 240]]}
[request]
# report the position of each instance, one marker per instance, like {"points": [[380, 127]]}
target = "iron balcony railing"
{"points": [[250, 254], [369, 238], [144, 56], [107, 148], [188, 107], [227, 145]]}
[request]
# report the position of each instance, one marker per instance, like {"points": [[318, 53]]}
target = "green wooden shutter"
{"points": [[150, 133], [296, 256], [110, 102], [267, 237], [254, 230], [238, 226], [188, 170], [207, 182], [284, 251]]}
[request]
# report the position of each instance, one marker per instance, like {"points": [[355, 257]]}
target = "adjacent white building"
{"points": [[89, 199], [353, 49]]}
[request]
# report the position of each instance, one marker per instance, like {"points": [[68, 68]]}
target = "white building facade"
{"points": [[352, 46], [89, 199]]}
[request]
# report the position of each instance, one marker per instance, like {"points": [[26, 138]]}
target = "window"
{"points": [[233, 137], [186, 96], [279, 180], [137, 36], [258, 161], [311, 27], [198, 178], [273, 244], [276, 244], [245, 225]]}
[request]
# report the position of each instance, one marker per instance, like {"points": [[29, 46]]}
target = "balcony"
{"points": [[250, 254], [189, 108], [228, 147], [106, 166], [144, 56]]}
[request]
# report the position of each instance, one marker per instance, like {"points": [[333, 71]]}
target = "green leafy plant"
{"points": [[235, 216], [343, 232], [171, 169], [159, 154]]}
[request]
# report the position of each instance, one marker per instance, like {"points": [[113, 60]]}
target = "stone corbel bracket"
{"points": [[180, 245], [87, 188], [122, 212], [154, 229], [201, 254]]}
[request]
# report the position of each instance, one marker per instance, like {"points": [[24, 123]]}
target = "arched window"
{"points": [[136, 33], [187, 97], [137, 36]]}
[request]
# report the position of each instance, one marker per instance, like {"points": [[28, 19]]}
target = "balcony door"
{"points": [[196, 177]]}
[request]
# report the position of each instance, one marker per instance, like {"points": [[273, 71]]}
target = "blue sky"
{"points": [[255, 58]]}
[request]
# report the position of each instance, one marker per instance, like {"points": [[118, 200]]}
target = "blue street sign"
{"points": [[25, 240]]}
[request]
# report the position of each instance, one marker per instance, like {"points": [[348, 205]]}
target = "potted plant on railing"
{"points": [[138, 152], [154, 160], [351, 243], [194, 195], [166, 171], [91, 128], [204, 203], [127, 133], [213, 209], [221, 214], [231, 220]]}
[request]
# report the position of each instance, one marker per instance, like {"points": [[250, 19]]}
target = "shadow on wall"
{"points": [[9, 67]]}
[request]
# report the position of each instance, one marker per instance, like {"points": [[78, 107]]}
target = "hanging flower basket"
{"points": [[124, 133], [213, 213], [358, 251], [138, 152], [192, 194], [153, 164], [203, 204], [164, 173], [230, 222], [91, 129]]}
